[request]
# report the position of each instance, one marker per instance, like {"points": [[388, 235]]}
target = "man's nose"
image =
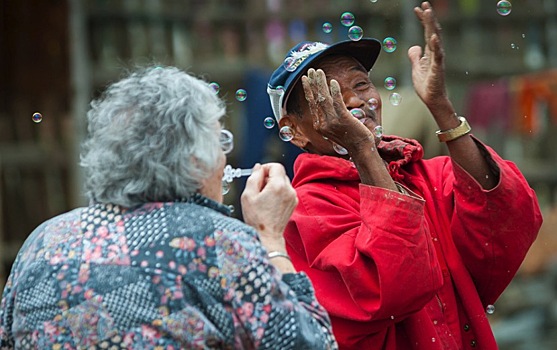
{"points": [[352, 100]]}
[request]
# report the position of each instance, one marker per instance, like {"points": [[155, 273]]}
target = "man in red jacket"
{"points": [[404, 253]]}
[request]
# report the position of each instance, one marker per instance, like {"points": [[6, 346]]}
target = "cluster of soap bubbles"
{"points": [[394, 98], [347, 19], [241, 94]]}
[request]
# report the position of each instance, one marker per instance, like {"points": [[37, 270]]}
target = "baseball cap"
{"points": [[299, 58]]}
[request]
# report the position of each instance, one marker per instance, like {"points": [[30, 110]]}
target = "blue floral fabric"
{"points": [[179, 275]]}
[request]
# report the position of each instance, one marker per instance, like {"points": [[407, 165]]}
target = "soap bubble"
{"points": [[327, 27], [339, 149], [286, 134], [37, 117], [269, 122], [358, 113], [490, 309], [504, 7], [215, 87], [347, 19], [226, 140], [390, 83], [395, 98], [225, 187], [378, 131], [241, 95], [355, 33], [373, 103], [290, 64], [389, 44]]}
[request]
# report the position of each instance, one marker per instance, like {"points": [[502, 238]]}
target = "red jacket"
{"points": [[415, 271]]}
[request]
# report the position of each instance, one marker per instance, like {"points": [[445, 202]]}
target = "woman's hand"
{"points": [[268, 202]]}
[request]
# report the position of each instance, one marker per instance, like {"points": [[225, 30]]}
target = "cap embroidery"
{"points": [[299, 56]]}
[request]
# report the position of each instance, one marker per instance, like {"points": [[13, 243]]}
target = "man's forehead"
{"points": [[340, 62]]}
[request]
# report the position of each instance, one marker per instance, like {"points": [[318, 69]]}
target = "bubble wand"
{"points": [[231, 173]]}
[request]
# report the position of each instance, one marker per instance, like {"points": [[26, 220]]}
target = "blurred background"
{"points": [[501, 66]]}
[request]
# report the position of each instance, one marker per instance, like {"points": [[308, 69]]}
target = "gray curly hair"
{"points": [[151, 138]]}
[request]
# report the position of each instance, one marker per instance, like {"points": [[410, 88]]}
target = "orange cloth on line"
{"points": [[532, 90]]}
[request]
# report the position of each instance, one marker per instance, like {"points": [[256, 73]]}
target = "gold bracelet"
{"points": [[275, 254], [453, 134]]}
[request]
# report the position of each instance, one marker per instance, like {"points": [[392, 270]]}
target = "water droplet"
{"points": [[347, 19], [523, 36], [215, 87], [290, 64], [389, 44], [358, 113], [504, 7], [490, 309], [378, 131], [374, 1], [286, 134], [37, 117], [395, 98], [373, 103], [392, 317], [433, 340], [466, 72], [355, 33], [327, 27], [390, 83], [269, 122], [339, 149], [241, 95]]}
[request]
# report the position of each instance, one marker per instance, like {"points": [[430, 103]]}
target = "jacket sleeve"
{"points": [[276, 311], [6, 317], [493, 229], [371, 261]]}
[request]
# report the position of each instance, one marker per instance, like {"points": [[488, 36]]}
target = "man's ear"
{"points": [[293, 122]]}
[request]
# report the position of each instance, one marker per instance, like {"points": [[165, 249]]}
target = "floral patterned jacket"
{"points": [[178, 275]]}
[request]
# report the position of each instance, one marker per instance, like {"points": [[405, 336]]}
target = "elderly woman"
{"points": [[156, 261]]}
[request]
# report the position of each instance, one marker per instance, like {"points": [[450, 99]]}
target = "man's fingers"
{"points": [[338, 101]]}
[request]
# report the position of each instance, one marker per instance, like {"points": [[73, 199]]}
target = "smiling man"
{"points": [[404, 253]]}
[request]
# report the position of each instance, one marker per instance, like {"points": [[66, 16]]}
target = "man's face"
{"points": [[357, 91]]}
